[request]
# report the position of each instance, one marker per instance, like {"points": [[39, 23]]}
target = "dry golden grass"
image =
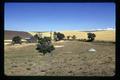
{"points": [[78, 34], [105, 35], [100, 35]]}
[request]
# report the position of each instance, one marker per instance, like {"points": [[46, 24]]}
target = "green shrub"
{"points": [[68, 37], [16, 40], [44, 45]]}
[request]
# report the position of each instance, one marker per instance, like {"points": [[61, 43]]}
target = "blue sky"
{"points": [[58, 16]]}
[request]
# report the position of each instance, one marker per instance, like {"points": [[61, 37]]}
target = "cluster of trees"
{"points": [[73, 37], [91, 37], [58, 36], [18, 39], [44, 44]]}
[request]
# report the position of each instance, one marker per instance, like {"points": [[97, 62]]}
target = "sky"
{"points": [[58, 16]]}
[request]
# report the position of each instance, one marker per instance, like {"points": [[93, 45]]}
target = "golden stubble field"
{"points": [[108, 35], [72, 59]]}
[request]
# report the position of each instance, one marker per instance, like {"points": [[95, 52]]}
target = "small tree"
{"points": [[68, 37], [16, 40], [44, 45], [91, 37], [73, 37], [60, 36], [36, 36]]}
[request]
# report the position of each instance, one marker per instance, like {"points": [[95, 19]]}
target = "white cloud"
{"points": [[110, 28], [105, 29]]}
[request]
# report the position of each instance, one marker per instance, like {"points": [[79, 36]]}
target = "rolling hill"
{"points": [[102, 35]]}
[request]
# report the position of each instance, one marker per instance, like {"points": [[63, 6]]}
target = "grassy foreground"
{"points": [[73, 59]]}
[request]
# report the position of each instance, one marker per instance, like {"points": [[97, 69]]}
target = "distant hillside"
{"points": [[78, 34], [102, 35], [8, 35], [108, 35]]}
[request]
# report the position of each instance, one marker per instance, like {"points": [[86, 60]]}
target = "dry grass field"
{"points": [[72, 59], [108, 35], [105, 35]]}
